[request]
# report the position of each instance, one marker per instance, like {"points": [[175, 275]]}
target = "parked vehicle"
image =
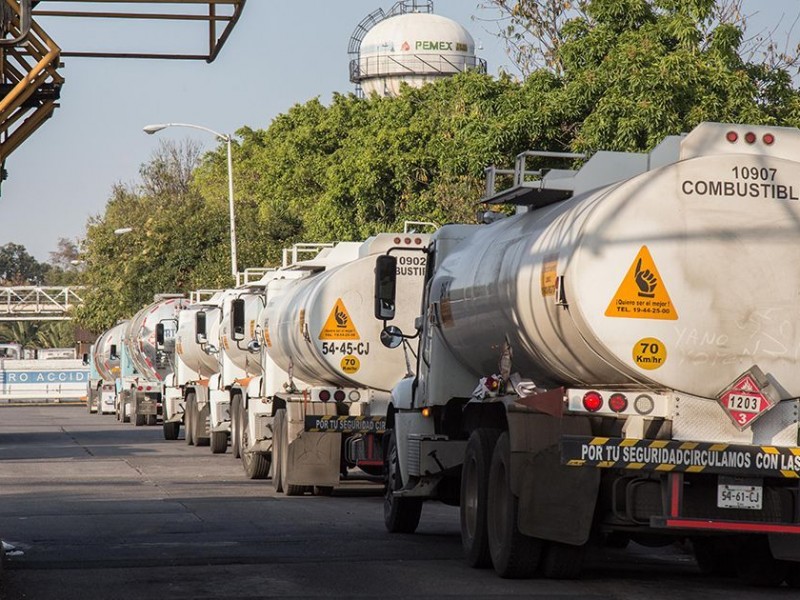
{"points": [[618, 358], [104, 359]]}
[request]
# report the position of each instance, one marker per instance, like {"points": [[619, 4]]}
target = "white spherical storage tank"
{"points": [[413, 48]]}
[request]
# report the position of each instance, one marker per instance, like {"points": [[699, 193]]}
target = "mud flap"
{"points": [[314, 459], [556, 502]]}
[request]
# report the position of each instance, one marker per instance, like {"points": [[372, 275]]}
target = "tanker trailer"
{"points": [[104, 365], [196, 363], [145, 364], [621, 358], [240, 360], [320, 329]]}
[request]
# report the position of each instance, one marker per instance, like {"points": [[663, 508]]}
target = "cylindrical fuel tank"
{"points": [[681, 278], [105, 362], [139, 336], [237, 352], [323, 325], [190, 352]]}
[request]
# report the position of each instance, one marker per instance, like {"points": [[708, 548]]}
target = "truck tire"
{"points": [[474, 489], [236, 436], [562, 561], [171, 430], [200, 429], [514, 555], [219, 442], [289, 489], [152, 420], [400, 515], [277, 458], [323, 490], [140, 420], [256, 466], [188, 410]]}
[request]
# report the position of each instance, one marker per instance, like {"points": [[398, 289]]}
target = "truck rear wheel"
{"points": [[200, 429], [219, 442], [256, 466], [188, 411], [171, 431], [400, 515], [152, 420], [277, 429], [514, 555], [474, 489], [236, 425]]}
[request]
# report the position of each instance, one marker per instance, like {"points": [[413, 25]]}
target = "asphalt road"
{"points": [[105, 511]]}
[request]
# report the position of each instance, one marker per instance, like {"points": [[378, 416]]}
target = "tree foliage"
{"points": [[612, 74]]}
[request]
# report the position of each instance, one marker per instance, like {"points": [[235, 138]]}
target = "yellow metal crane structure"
{"points": [[30, 82]]}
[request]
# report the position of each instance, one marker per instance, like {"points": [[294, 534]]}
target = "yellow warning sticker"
{"points": [[642, 293], [350, 364], [548, 279], [649, 353], [339, 325]]}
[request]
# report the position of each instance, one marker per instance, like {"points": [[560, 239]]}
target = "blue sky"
{"points": [[277, 56]]}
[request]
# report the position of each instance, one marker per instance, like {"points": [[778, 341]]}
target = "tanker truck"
{"points": [[619, 359], [144, 363], [104, 368], [186, 393], [240, 359], [327, 377]]}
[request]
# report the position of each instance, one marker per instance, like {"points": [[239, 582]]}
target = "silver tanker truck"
{"points": [[104, 362], [326, 377], [621, 357], [196, 362], [145, 363]]}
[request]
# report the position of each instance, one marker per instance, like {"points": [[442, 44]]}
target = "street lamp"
{"points": [[151, 129]]}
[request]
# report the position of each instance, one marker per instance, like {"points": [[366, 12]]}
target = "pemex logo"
{"points": [[405, 47]]}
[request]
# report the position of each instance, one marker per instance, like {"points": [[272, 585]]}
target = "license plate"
{"points": [[737, 493]]}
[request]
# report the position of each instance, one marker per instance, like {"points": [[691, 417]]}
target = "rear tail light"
{"points": [[324, 395], [618, 402], [592, 401], [732, 136], [140, 388], [768, 139], [354, 396], [644, 404], [339, 395], [750, 137]]}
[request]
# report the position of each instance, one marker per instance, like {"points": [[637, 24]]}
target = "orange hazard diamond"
{"points": [[339, 325], [642, 293]]}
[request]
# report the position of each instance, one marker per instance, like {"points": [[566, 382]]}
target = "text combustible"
{"points": [[730, 459], [740, 189]]}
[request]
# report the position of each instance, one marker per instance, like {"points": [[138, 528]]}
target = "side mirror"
{"points": [[200, 335], [385, 287], [237, 319], [113, 354], [159, 334], [391, 336]]}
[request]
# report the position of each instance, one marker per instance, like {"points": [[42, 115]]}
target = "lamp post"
{"points": [[151, 129]]}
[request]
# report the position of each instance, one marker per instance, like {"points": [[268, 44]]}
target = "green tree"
{"points": [[18, 267], [23, 333]]}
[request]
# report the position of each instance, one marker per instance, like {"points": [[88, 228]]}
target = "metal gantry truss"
{"points": [[38, 303], [30, 84]]}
